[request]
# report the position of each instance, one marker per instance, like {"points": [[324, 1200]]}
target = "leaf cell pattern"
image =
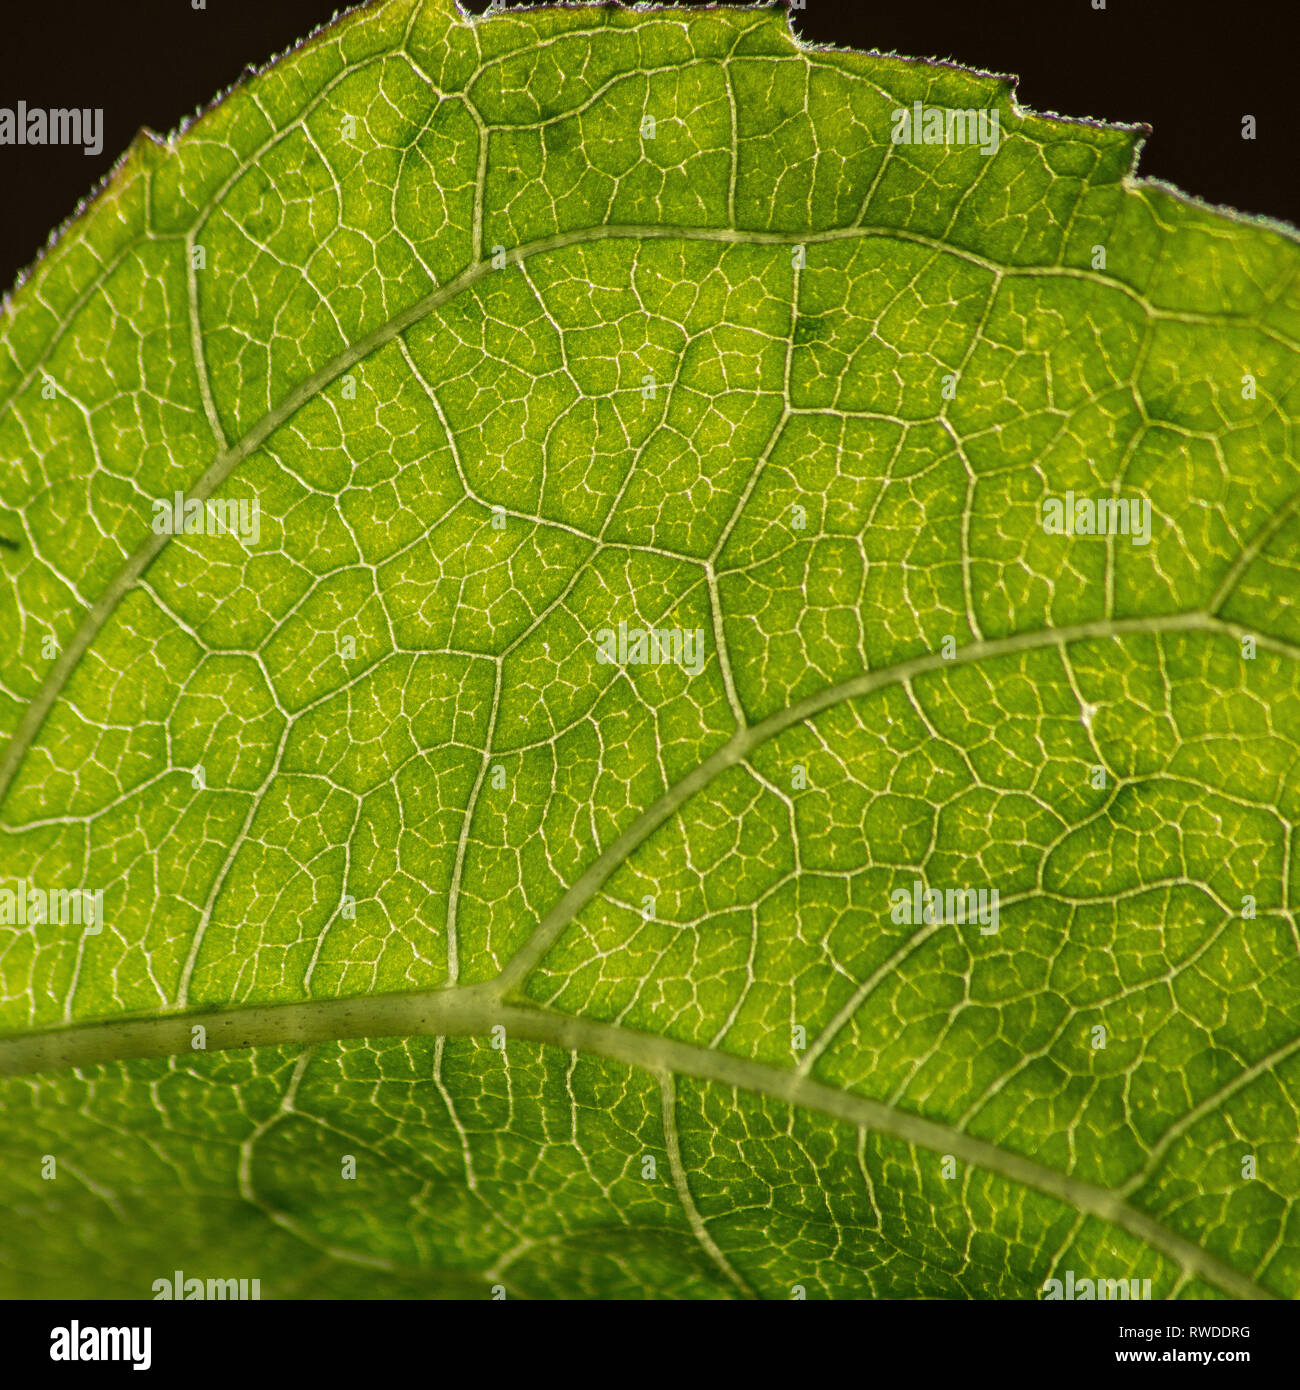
{"points": [[519, 329]]}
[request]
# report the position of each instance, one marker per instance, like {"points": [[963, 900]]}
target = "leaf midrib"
{"points": [[473, 1011]]}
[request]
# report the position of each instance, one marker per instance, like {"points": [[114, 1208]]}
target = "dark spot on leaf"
{"points": [[561, 136], [811, 328]]}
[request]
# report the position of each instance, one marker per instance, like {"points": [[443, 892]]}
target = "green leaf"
{"points": [[606, 976]]}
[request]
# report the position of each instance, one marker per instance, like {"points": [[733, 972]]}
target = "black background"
{"points": [[738, 1344], [1188, 68]]}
